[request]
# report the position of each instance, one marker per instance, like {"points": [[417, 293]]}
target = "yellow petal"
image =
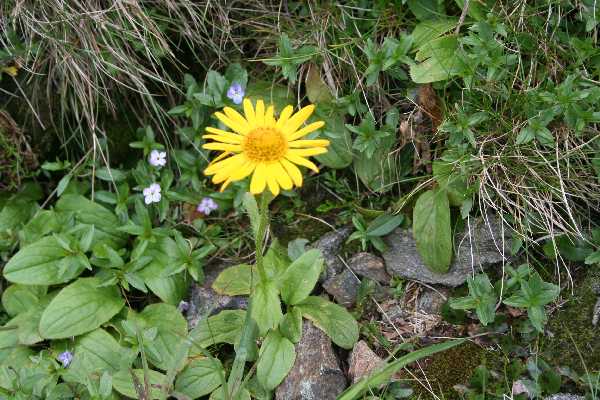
{"points": [[273, 185], [298, 119], [213, 168], [313, 151], [283, 179], [249, 112], [235, 116], [259, 179], [225, 184], [305, 131], [222, 146], [228, 171], [260, 113], [222, 139], [230, 135], [293, 171], [269, 119], [242, 129], [309, 143], [243, 171], [301, 161], [284, 116]]}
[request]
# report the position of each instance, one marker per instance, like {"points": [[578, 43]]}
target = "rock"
{"points": [[362, 361], [483, 248], [330, 245], [343, 287], [204, 301], [564, 396], [316, 374], [369, 266], [431, 301]]}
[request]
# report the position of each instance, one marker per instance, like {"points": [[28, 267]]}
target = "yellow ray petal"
{"points": [[273, 185], [269, 119], [227, 171], [249, 112], [284, 116], [259, 179], [309, 143], [283, 179], [243, 171], [242, 129], [225, 184], [312, 151], [214, 167], [298, 119], [301, 161], [305, 131], [220, 132], [222, 139], [260, 113], [222, 146], [234, 115], [293, 171]]}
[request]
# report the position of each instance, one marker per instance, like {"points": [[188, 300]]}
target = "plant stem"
{"points": [[249, 330]]}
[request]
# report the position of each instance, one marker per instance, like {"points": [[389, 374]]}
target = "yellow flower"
{"points": [[268, 149]]}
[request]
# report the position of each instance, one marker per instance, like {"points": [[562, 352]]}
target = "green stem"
{"points": [[249, 329]]}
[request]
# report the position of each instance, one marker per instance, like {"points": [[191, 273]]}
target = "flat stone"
{"points": [[343, 287], [478, 247], [204, 301], [362, 361], [369, 266], [316, 374], [330, 245]]}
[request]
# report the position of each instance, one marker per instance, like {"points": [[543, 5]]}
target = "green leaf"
{"points": [[481, 298], [39, 264], [452, 181], [427, 9], [266, 307], [432, 230], [378, 172], [21, 298], [169, 288], [334, 320], [428, 30], [339, 151], [123, 382], [242, 394], [43, 223], [276, 358], [225, 327], [291, 325], [384, 224], [300, 278], [110, 174], [200, 377], [171, 330], [79, 308], [316, 90], [439, 60], [25, 326], [252, 210], [384, 374], [235, 280]]}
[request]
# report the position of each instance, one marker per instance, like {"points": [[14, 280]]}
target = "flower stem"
{"points": [[249, 329]]}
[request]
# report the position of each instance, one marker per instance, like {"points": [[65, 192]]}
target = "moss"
{"points": [[449, 368], [572, 336]]}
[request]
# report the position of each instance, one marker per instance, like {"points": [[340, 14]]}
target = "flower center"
{"points": [[265, 144]]}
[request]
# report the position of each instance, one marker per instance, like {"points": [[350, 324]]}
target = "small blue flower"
{"points": [[236, 93], [207, 205], [65, 358], [183, 306]]}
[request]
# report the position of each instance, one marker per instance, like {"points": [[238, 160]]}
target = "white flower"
{"points": [[157, 158], [152, 194], [236, 93]]}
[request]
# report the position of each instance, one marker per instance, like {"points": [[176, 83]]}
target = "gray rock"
{"points": [[330, 245], [482, 248], [343, 287], [362, 361], [565, 396], [316, 374], [204, 301], [431, 301], [369, 266]]}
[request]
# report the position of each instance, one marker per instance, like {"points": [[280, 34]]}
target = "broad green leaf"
{"points": [[15, 355], [339, 151], [378, 172], [25, 326], [225, 327], [452, 181], [200, 377], [384, 224], [21, 298], [431, 29], [243, 394], [432, 230], [276, 260], [427, 9], [80, 307], [266, 306], [123, 382], [38, 264], [300, 278], [331, 318], [384, 374], [276, 358], [170, 289], [110, 174], [316, 90], [438, 60], [235, 280], [291, 325], [44, 222], [171, 331]]}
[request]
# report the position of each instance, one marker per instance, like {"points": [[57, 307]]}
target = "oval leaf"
{"points": [[123, 382], [301, 277], [432, 230], [235, 280], [200, 377], [266, 306], [334, 320], [276, 358], [79, 308]]}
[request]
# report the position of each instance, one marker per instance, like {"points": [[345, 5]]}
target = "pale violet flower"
{"points": [[152, 194], [207, 205], [65, 358], [183, 306], [157, 158], [236, 93]]}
